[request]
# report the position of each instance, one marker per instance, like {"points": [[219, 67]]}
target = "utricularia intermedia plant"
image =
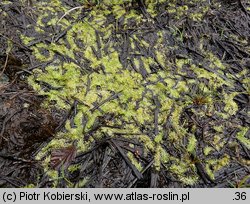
{"points": [[130, 78]]}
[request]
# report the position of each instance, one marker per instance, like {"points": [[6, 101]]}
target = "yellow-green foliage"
{"points": [[207, 150], [160, 156], [85, 66], [214, 165], [191, 144], [241, 137], [134, 161], [185, 171], [187, 9]]}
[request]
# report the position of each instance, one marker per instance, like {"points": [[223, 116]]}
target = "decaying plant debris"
{"points": [[125, 93]]}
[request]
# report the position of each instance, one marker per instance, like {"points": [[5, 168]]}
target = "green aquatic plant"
{"points": [[214, 165], [241, 137], [128, 84]]}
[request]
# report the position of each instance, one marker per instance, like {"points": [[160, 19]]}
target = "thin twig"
{"points": [[5, 64], [110, 98], [66, 13], [134, 169], [143, 171], [4, 123]]}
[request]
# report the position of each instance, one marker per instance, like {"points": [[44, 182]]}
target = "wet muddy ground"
{"points": [[27, 126]]}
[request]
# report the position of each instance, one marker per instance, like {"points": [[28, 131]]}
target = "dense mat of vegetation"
{"points": [[165, 83]]}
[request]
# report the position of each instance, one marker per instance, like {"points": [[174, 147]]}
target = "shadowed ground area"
{"points": [[126, 93]]}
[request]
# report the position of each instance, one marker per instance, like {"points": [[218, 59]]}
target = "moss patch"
{"points": [[127, 82]]}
